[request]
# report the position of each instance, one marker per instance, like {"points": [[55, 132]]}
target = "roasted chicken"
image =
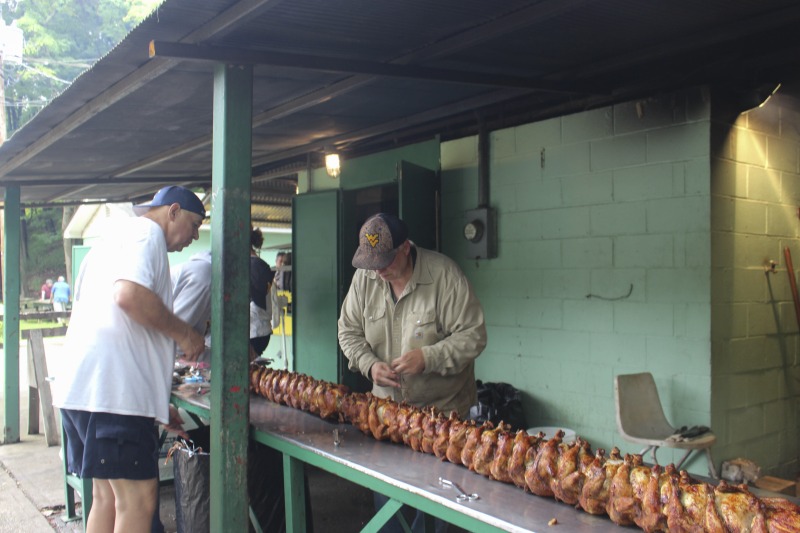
{"points": [[656, 499]]}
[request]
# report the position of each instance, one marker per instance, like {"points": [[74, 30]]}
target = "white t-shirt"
{"points": [[117, 365], [191, 296]]}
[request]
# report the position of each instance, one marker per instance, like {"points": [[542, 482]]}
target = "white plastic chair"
{"points": [[641, 419]]}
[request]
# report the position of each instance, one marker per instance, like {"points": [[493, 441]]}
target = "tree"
{"points": [[62, 39], [41, 239]]}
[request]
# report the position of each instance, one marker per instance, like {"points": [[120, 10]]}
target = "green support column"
{"points": [[230, 239], [294, 494], [11, 223]]}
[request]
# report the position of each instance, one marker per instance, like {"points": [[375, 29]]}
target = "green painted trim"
{"points": [[294, 493], [11, 286], [385, 514], [192, 409], [365, 480]]}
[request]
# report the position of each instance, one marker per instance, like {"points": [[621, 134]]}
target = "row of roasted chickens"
{"points": [[654, 498]]}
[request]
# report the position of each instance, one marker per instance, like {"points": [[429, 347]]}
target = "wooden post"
{"points": [[792, 283], [33, 394], [36, 357]]}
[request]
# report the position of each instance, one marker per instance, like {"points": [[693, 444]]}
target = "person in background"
{"points": [[191, 298], [60, 294], [261, 276], [279, 258], [116, 386], [283, 281], [283, 276], [412, 324], [47, 290]]}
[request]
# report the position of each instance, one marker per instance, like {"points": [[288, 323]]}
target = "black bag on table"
{"points": [[498, 402]]}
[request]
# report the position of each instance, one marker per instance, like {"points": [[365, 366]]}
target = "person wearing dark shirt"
{"points": [[47, 290], [261, 276]]}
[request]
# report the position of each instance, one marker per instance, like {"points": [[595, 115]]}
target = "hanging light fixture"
{"points": [[332, 164]]}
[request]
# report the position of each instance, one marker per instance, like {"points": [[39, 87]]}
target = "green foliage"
{"points": [[45, 248], [62, 39]]}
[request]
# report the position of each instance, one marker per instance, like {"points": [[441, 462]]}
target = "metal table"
{"points": [[405, 476]]}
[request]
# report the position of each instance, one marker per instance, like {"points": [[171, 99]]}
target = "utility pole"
{"points": [[11, 43], [2, 101]]}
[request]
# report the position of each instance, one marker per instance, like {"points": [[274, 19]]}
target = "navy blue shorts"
{"points": [[110, 446]]}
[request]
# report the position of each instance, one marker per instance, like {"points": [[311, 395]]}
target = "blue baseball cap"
{"points": [[173, 194]]}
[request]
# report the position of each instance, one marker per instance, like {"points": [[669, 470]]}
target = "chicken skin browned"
{"points": [[656, 499]]}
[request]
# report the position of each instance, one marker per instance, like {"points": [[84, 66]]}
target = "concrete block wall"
{"points": [[755, 201], [603, 260]]}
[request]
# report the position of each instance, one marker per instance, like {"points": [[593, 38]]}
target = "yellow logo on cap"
{"points": [[373, 239]]}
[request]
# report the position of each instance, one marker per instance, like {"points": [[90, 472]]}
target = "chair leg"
{"points": [[73, 484], [652, 448], [647, 449], [711, 468], [683, 459], [69, 492], [86, 499]]}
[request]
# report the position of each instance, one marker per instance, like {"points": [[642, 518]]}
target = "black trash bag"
{"points": [[264, 486], [498, 402], [192, 489], [266, 491]]}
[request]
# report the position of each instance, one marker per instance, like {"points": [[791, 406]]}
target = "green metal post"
{"points": [[294, 494], [11, 223], [230, 240]]}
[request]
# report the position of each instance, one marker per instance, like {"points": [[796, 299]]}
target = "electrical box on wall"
{"points": [[480, 232]]}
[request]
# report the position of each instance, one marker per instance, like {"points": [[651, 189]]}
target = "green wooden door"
{"points": [[325, 236], [315, 299], [419, 192]]}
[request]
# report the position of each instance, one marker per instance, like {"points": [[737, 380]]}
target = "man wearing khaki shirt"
{"points": [[413, 326], [411, 322]]}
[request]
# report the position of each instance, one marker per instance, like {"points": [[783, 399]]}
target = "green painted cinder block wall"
{"points": [[589, 206], [755, 198], [633, 238]]}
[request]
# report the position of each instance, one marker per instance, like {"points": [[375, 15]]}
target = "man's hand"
{"points": [[192, 344], [383, 375], [145, 307], [410, 363], [176, 423]]}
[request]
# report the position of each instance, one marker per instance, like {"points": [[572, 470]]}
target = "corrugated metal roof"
{"points": [[130, 124]]}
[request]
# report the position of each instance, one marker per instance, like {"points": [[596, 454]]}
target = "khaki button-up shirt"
{"points": [[437, 312]]}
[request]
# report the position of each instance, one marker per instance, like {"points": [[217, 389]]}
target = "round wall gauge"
{"points": [[473, 230]]}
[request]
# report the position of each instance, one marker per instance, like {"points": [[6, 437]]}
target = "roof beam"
{"points": [[239, 56], [136, 79], [531, 15], [394, 125], [687, 44], [226, 21]]}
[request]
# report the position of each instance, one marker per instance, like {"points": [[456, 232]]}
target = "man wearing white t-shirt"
{"points": [[191, 298], [121, 345]]}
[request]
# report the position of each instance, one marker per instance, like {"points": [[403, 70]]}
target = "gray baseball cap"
{"points": [[378, 240]]}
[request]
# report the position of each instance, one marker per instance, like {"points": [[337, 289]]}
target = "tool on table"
{"points": [[462, 496], [337, 439]]}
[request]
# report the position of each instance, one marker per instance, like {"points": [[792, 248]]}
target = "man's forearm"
{"points": [[147, 309]]}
